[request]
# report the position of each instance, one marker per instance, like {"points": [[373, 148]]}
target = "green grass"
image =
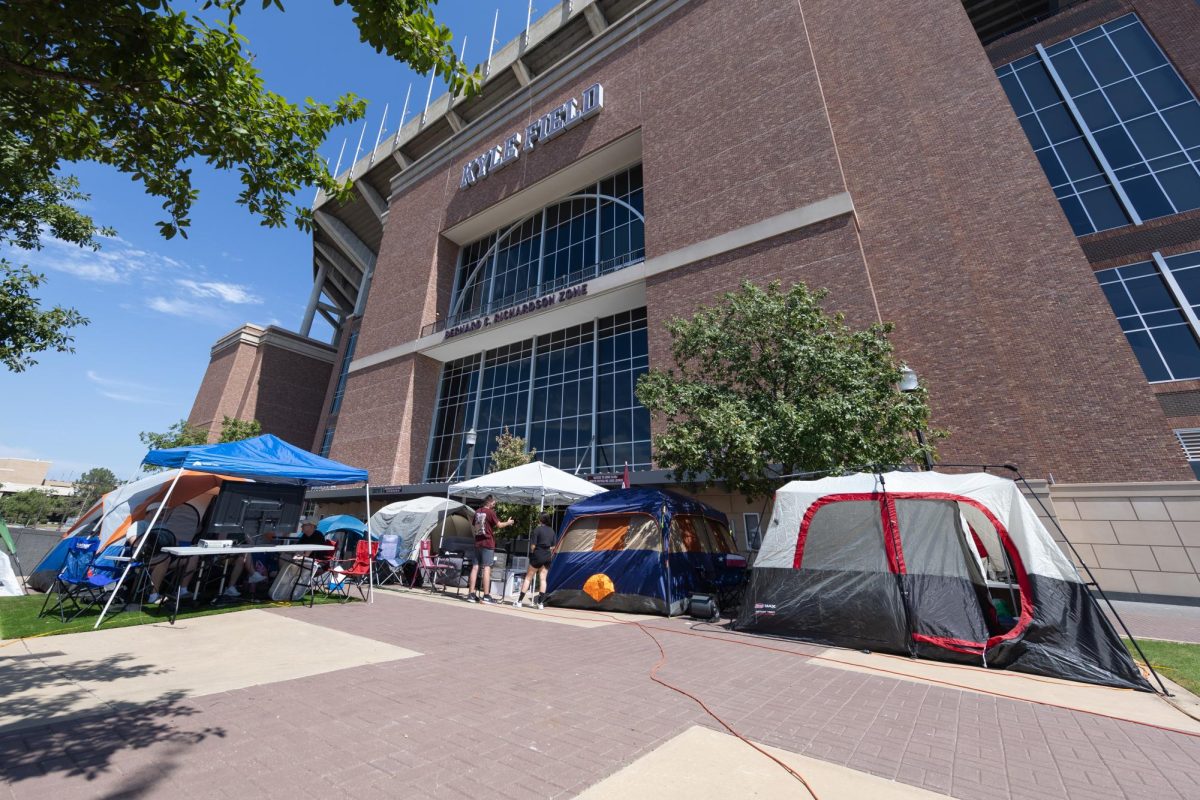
{"points": [[1175, 660], [19, 616]]}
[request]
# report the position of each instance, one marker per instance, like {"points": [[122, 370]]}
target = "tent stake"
{"points": [[138, 548]]}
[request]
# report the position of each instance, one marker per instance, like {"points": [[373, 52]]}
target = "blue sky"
{"points": [[157, 306]]}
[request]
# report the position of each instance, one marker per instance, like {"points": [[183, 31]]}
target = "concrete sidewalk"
{"points": [[520, 703]]}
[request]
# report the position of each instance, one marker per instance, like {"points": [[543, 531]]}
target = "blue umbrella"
{"points": [[341, 522]]}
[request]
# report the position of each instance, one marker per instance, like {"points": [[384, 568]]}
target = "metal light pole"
{"points": [[909, 383]]}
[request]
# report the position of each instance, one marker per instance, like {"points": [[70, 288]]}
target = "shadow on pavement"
{"points": [[85, 745]]}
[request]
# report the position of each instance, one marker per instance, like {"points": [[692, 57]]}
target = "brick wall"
{"points": [[968, 252], [258, 376]]}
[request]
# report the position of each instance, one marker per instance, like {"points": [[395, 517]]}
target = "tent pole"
{"points": [[1093, 582], [370, 561], [138, 547]]}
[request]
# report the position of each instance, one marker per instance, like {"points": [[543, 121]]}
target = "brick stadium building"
{"points": [[1013, 183]]}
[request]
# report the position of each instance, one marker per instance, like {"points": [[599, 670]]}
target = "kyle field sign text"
{"points": [[541, 130]]}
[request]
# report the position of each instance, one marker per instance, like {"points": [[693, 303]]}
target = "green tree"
{"points": [[152, 91], [92, 484], [30, 507], [510, 452], [181, 434], [766, 383], [234, 430]]}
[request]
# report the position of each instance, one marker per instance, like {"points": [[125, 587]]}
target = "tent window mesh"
{"points": [[846, 536], [932, 539]]}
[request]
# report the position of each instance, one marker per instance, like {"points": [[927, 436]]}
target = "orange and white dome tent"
{"points": [[117, 513]]}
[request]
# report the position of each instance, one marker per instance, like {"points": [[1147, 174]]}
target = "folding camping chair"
{"points": [[429, 567], [359, 573], [389, 565], [85, 578]]}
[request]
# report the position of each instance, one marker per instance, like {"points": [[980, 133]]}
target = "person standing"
{"points": [[542, 542], [485, 526]]}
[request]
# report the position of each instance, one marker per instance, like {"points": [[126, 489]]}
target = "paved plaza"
{"points": [[427, 697]]}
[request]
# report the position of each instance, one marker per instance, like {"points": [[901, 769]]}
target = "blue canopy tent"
{"points": [[266, 458], [341, 522], [641, 550]]}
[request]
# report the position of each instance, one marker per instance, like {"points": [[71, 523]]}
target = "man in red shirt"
{"points": [[485, 525]]}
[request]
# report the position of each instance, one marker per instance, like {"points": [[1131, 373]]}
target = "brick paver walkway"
{"points": [[500, 705]]}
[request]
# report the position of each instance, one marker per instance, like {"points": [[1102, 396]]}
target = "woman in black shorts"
{"points": [[541, 543]]}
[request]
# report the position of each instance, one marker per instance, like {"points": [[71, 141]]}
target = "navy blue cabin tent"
{"points": [[641, 550], [948, 567]]}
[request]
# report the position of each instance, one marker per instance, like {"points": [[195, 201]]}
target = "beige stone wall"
{"points": [[1141, 538]]}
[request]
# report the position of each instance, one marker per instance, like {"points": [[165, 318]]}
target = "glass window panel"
{"points": [[1182, 185], [1133, 323], [1077, 160], [1136, 46], [1103, 60], [1016, 96], [1096, 111], [1147, 197], [1164, 87], [1038, 86], [1118, 298], [1075, 75], [1159, 319], [1140, 269], [1081, 224], [1058, 124], [1128, 99], [1117, 147], [1152, 136], [1147, 356], [1184, 121], [1131, 171], [1179, 348], [1150, 294], [1104, 209]]}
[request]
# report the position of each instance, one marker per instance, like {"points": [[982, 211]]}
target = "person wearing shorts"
{"points": [[486, 524], [541, 542]]}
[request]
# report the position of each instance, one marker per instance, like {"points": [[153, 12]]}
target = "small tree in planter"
{"points": [[511, 452]]}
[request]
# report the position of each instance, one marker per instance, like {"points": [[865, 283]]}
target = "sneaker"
{"points": [[472, 598], [488, 599], [184, 593], [232, 591], [518, 603], [541, 605], [153, 598], [256, 577]]}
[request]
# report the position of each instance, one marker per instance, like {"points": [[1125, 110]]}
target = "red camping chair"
{"points": [[429, 567], [359, 573]]}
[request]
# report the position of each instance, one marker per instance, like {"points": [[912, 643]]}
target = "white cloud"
{"points": [[179, 307], [116, 262], [226, 292], [125, 391]]}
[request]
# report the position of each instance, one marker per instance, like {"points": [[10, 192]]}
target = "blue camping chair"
{"points": [[72, 579], [85, 578]]}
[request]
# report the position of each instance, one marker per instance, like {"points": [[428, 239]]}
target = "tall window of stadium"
{"points": [[1157, 303], [591, 232], [570, 393], [1115, 129]]}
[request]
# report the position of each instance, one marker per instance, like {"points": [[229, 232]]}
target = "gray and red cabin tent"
{"points": [[908, 562]]}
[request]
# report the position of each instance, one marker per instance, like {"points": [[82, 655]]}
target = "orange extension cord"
{"points": [[966, 687], [662, 660]]}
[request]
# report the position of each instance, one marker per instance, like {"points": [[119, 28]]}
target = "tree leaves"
{"points": [[148, 90], [766, 383], [25, 327]]}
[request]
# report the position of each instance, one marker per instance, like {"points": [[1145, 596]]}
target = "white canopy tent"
{"points": [[529, 483], [414, 520]]}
